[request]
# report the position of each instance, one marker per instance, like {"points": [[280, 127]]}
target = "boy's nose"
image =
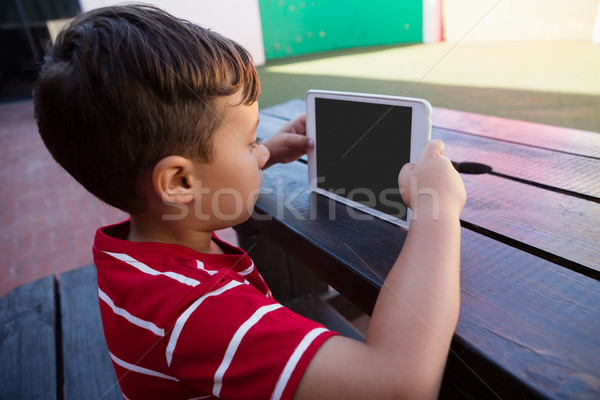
{"points": [[262, 155]]}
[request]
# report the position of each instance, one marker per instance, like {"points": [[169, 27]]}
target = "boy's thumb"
{"points": [[405, 173], [434, 147]]}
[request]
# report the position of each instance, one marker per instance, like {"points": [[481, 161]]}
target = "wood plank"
{"points": [[523, 318], [537, 135], [28, 361], [564, 171], [552, 225], [88, 370]]}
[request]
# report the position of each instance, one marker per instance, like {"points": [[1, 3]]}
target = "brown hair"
{"points": [[126, 86]]}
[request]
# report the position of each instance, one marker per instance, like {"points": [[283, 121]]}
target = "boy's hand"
{"points": [[289, 143], [432, 183]]}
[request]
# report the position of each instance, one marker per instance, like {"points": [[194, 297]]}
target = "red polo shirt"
{"points": [[181, 324]]}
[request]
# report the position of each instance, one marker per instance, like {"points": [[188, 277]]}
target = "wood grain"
{"points": [[555, 138], [28, 362], [554, 169], [552, 225], [88, 370]]}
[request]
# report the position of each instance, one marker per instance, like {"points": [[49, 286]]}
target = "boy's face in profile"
{"points": [[229, 186]]}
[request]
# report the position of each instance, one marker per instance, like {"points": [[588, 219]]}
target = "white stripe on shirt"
{"points": [[235, 342], [248, 270], [141, 370], [193, 398], [186, 314], [290, 366], [147, 270], [200, 265], [133, 319]]}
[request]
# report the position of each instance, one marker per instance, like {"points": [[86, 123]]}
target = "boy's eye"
{"points": [[256, 142]]}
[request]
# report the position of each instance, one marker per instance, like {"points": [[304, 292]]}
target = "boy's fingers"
{"points": [[301, 118], [296, 125], [298, 141]]}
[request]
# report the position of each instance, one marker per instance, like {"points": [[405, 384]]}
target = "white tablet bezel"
{"points": [[420, 135]]}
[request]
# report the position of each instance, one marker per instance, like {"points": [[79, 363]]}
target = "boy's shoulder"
{"points": [[158, 282]]}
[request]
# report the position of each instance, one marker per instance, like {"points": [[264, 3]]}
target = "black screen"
{"points": [[361, 148]]}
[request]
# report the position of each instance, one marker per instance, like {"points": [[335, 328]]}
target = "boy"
{"points": [[158, 117]]}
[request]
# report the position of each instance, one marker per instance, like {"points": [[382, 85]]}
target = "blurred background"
{"points": [[534, 60]]}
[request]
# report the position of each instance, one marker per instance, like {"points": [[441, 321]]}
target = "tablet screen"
{"points": [[361, 148]]}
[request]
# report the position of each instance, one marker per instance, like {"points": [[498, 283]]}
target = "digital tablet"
{"points": [[361, 143]]}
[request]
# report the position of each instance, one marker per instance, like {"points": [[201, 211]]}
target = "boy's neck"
{"points": [[145, 230]]}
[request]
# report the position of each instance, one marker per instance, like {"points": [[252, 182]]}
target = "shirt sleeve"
{"points": [[234, 342]]}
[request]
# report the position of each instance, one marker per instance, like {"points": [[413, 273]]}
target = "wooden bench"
{"points": [[51, 341], [529, 318]]}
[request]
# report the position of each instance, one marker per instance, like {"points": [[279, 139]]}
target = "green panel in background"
{"points": [[293, 27]]}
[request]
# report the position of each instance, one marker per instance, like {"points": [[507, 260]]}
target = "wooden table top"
{"points": [[530, 316]]}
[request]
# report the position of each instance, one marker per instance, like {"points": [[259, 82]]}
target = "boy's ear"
{"points": [[173, 179]]}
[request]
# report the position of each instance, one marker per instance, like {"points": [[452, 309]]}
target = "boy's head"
{"points": [[123, 87]]}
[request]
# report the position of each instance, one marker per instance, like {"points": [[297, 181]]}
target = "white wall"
{"points": [[238, 20], [432, 21], [596, 37], [506, 20]]}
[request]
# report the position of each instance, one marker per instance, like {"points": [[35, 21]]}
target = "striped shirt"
{"points": [[185, 325]]}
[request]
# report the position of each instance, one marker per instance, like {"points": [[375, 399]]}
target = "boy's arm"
{"points": [[289, 143], [417, 309]]}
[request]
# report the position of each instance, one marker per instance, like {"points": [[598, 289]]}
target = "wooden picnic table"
{"points": [[530, 317], [529, 324]]}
